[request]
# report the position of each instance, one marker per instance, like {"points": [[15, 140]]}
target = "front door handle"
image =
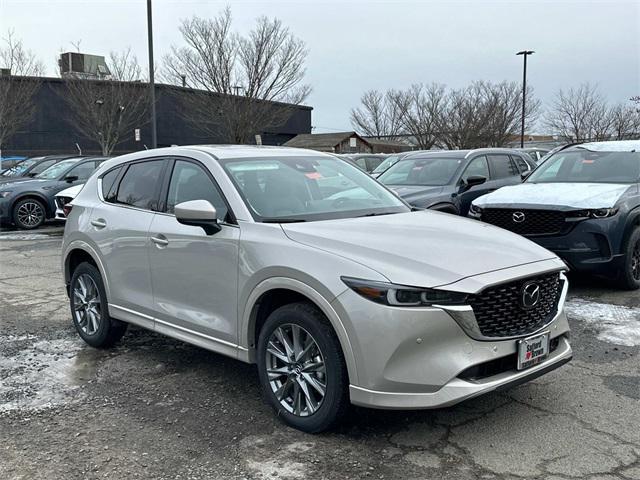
{"points": [[160, 240], [99, 223]]}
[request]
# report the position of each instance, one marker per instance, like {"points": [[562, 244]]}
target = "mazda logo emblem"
{"points": [[518, 217], [529, 295]]}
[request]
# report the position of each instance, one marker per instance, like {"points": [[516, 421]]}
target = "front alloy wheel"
{"points": [[29, 214], [296, 370], [302, 368]]}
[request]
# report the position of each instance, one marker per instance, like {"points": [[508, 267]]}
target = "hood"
{"points": [[423, 248], [416, 193], [70, 192], [570, 195]]}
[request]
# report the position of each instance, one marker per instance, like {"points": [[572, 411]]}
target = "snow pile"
{"points": [[616, 324]]}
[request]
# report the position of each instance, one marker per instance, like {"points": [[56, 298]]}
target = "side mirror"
{"points": [[473, 180], [70, 178], [198, 213]]}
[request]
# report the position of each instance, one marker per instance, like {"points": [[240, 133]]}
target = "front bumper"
{"points": [[412, 358], [458, 390]]}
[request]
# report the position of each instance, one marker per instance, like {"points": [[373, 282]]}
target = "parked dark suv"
{"points": [[582, 203], [450, 180], [29, 168], [28, 203]]}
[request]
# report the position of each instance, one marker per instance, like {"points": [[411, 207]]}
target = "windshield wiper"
{"points": [[283, 220]]}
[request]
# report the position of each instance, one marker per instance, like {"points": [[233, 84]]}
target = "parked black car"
{"points": [[449, 181], [30, 167], [582, 203], [27, 203]]}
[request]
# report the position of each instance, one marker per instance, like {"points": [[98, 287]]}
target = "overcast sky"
{"points": [[359, 45]]}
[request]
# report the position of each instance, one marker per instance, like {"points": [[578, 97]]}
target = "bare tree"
{"points": [[380, 115], [422, 107], [238, 75], [106, 110], [625, 122], [17, 87], [574, 111]]}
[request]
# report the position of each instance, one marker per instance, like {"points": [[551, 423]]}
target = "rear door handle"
{"points": [[160, 240], [99, 223]]}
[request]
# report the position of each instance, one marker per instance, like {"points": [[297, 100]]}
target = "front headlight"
{"points": [[576, 215], [5, 194], [476, 210], [401, 295]]}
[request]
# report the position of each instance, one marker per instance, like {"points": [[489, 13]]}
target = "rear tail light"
{"points": [[66, 208]]}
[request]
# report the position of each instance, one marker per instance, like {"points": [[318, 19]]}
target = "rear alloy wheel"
{"points": [[302, 369], [90, 310], [630, 275], [29, 214]]}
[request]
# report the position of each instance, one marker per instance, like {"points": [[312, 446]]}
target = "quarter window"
{"points": [[190, 182], [108, 180], [502, 166], [139, 185], [522, 164]]}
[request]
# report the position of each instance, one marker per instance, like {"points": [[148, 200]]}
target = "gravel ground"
{"points": [[156, 408]]}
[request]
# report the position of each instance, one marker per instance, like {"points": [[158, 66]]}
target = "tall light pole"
{"points": [[152, 85], [524, 53]]}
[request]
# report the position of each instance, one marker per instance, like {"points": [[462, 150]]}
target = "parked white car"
{"points": [[64, 198]]}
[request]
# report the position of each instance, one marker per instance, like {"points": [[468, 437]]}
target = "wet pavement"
{"points": [[156, 408]]}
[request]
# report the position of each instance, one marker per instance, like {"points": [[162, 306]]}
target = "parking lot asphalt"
{"points": [[154, 407]]}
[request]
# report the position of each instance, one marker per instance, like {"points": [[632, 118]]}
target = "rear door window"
{"points": [[502, 166], [523, 166], [140, 185]]}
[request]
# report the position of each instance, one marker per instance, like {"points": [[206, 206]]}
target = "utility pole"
{"points": [[152, 85], [524, 53]]}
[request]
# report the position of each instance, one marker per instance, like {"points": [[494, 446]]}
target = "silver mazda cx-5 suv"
{"points": [[303, 264]]}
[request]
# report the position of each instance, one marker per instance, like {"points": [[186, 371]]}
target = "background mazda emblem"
{"points": [[518, 217], [530, 295]]}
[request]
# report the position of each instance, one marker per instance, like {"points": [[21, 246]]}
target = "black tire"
{"points": [[109, 330], [29, 213], [630, 275], [335, 402]]}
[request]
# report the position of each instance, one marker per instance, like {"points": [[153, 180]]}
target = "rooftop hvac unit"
{"points": [[81, 65]]}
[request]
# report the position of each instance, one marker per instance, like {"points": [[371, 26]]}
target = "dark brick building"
{"points": [[51, 132]]}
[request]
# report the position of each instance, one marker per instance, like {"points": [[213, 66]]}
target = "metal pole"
{"points": [[152, 87], [524, 98]]}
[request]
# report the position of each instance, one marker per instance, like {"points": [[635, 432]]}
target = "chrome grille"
{"points": [[499, 311]]}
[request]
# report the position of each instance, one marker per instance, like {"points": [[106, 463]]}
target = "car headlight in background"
{"points": [[403, 296], [5, 194], [576, 215], [474, 209]]}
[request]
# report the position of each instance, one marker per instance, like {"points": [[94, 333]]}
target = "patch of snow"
{"points": [[23, 236], [39, 375], [616, 324]]}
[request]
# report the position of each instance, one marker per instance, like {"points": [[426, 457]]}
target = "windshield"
{"points": [[585, 166], [386, 164], [19, 168], [308, 188], [431, 171], [54, 171]]}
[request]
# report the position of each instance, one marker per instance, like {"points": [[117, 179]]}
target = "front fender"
{"points": [[247, 322]]}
